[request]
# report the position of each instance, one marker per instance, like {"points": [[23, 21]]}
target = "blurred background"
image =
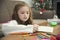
{"points": [[42, 9]]}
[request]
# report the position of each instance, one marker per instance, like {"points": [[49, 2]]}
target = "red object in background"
{"points": [[43, 10], [53, 38], [41, 0], [58, 37]]}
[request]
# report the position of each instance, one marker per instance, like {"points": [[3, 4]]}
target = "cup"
{"points": [[53, 24]]}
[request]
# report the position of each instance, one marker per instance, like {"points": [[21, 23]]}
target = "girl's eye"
{"points": [[22, 13], [27, 13]]}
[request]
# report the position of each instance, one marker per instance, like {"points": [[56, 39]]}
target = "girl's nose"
{"points": [[25, 14]]}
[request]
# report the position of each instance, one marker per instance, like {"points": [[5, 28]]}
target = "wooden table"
{"points": [[25, 37], [17, 37], [56, 29], [20, 37]]}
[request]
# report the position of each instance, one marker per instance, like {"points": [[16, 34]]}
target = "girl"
{"points": [[23, 15]]}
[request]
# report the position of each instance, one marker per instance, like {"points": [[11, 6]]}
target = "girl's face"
{"points": [[23, 13]]}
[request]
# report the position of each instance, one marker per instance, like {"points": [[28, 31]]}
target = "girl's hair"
{"points": [[15, 14]]}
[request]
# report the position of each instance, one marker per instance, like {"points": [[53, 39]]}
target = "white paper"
{"points": [[13, 27], [45, 29]]}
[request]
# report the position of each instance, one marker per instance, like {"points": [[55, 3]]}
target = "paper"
{"points": [[12, 27], [45, 29]]}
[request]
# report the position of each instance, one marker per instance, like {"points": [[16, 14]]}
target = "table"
{"points": [[20, 37], [17, 37], [37, 36]]}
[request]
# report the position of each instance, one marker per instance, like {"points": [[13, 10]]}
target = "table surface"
{"points": [[25, 37], [19, 37], [56, 29]]}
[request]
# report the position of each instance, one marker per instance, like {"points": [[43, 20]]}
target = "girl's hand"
{"points": [[35, 27]]}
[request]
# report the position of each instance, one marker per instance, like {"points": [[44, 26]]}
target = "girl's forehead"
{"points": [[24, 8]]}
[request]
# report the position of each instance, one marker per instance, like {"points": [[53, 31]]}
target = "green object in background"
{"points": [[53, 23]]}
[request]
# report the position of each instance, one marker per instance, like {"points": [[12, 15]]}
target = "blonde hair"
{"points": [[15, 14]]}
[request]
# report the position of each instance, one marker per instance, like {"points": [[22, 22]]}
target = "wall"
{"points": [[29, 2], [4, 16]]}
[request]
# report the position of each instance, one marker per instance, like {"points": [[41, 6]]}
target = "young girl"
{"points": [[22, 14]]}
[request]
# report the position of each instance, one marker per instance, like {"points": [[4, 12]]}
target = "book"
{"points": [[45, 29], [13, 27]]}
